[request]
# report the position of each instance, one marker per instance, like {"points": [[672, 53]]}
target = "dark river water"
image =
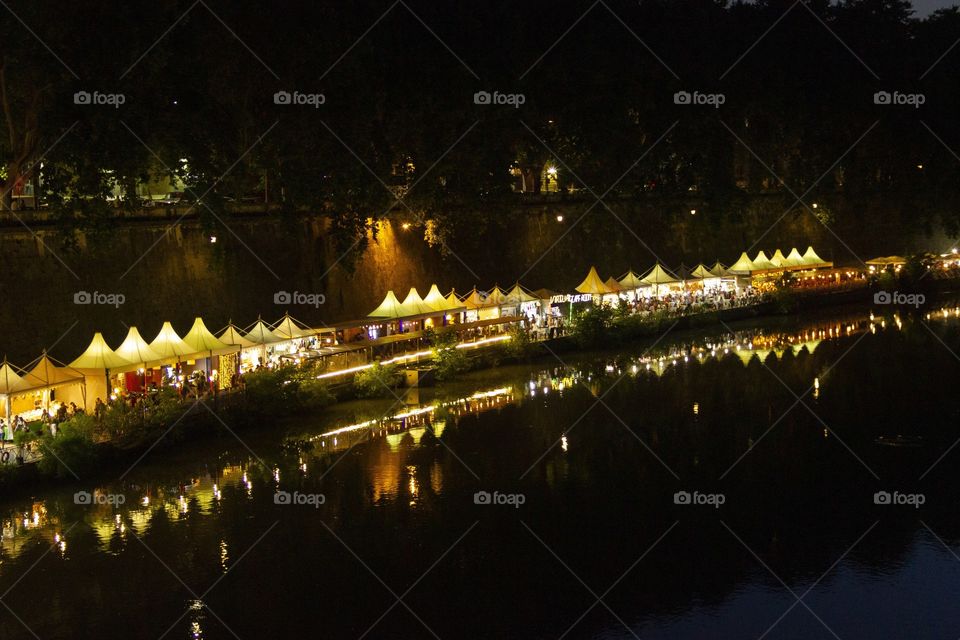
{"points": [[794, 478]]}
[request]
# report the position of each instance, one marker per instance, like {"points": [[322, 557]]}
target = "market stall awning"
{"points": [[438, 302], [10, 380], [592, 284], [658, 275], [454, 300], [719, 270], [496, 297], [778, 259], [413, 304], [169, 346], [811, 259], [762, 263], [794, 259], [389, 308], [232, 336], [260, 334], [47, 374], [136, 350], [475, 300], [99, 355], [613, 285], [290, 329], [743, 266], [631, 281], [886, 261], [518, 295], [702, 273], [201, 340]]}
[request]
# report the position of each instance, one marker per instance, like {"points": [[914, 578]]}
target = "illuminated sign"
{"points": [[577, 297]]}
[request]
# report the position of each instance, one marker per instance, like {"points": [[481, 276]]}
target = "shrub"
{"points": [[521, 344], [449, 360], [377, 381], [591, 326], [67, 454]]}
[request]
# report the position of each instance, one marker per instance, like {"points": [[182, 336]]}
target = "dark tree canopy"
{"points": [[399, 117]]}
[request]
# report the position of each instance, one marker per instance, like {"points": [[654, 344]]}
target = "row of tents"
{"points": [[658, 275], [98, 361], [414, 307]]}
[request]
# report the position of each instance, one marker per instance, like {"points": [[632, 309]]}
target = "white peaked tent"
{"points": [[613, 284], [260, 334], [794, 259], [201, 340], [47, 374], [702, 273], [475, 300], [389, 308], [95, 364], [719, 270], [811, 259], [289, 329], [778, 259], [592, 284], [743, 266], [762, 263], [454, 300], [631, 281], [518, 295], [413, 304], [169, 346], [658, 276], [436, 300], [10, 384], [496, 297], [135, 349], [99, 355], [232, 336]]}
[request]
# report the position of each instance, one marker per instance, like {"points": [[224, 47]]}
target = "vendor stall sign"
{"points": [[576, 297]]}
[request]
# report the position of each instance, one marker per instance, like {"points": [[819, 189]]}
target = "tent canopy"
{"points": [[701, 272], [630, 280], [762, 263], [519, 295], [612, 284], [46, 374], [136, 350], [719, 270], [389, 308], [231, 335], [475, 300], [454, 300], [659, 275], [496, 297], [201, 340], [811, 259], [99, 355], [289, 329], [10, 380], [436, 300], [592, 284], [260, 333], [413, 304], [794, 259], [778, 259], [743, 265], [888, 260], [168, 345]]}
